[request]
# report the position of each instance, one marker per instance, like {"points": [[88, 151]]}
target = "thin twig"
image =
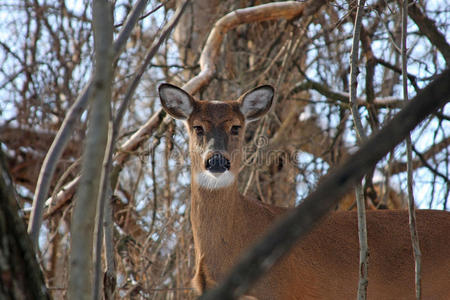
{"points": [[154, 190], [362, 137], [400, 166], [61, 181], [146, 14], [249, 182], [343, 97], [354, 73], [411, 208], [109, 280], [104, 183], [425, 163], [258, 187]]}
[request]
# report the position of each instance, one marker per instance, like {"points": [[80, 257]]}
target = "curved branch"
{"points": [[429, 29], [264, 12], [399, 167], [343, 97]]}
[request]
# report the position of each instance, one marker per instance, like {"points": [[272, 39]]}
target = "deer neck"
{"points": [[210, 207], [216, 216]]}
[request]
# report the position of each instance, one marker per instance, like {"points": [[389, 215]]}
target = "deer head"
{"points": [[216, 130]]}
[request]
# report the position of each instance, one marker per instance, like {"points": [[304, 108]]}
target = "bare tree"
{"points": [[46, 58]]}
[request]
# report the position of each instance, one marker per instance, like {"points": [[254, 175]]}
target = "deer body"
{"points": [[323, 265]]}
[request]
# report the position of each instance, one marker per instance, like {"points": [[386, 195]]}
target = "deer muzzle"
{"points": [[217, 163]]}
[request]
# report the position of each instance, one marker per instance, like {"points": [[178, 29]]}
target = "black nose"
{"points": [[217, 163]]}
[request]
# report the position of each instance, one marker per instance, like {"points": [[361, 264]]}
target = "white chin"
{"points": [[213, 181]]}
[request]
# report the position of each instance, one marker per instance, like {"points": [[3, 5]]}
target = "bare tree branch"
{"points": [[106, 181], [46, 60], [343, 97], [264, 12], [89, 190], [21, 276], [429, 29], [400, 166], [99, 217], [411, 202], [361, 137], [427, 165]]}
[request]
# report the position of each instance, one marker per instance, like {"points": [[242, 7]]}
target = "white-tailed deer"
{"points": [[323, 265]]}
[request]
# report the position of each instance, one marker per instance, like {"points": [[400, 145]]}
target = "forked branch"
{"points": [[264, 12]]}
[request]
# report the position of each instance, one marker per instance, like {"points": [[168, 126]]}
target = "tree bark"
{"points": [[20, 275], [86, 199]]}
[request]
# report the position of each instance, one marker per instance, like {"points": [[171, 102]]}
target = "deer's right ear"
{"points": [[175, 101]]}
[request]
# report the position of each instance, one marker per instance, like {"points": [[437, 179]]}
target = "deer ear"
{"points": [[175, 101], [257, 102]]}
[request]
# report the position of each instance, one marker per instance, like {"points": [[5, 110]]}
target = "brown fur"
{"points": [[202, 280], [324, 264]]}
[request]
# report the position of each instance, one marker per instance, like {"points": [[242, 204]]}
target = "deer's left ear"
{"points": [[257, 102]]}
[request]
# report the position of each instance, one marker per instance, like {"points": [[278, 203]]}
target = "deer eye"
{"points": [[235, 130], [199, 130]]}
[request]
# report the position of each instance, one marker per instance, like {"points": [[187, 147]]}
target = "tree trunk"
{"points": [[20, 276]]}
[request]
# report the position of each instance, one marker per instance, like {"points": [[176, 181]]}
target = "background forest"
{"points": [[46, 61]]}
